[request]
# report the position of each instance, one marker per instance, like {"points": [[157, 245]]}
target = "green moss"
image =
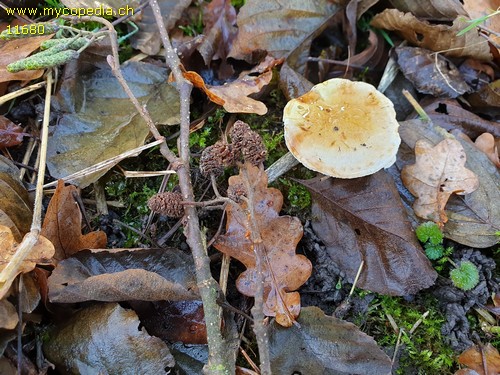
{"points": [[465, 276], [425, 349], [298, 196]]}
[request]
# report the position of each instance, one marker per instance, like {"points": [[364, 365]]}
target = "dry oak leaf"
{"points": [[284, 271], [438, 172], [63, 224], [435, 37], [41, 252]]}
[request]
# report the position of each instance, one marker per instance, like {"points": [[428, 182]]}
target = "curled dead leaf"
{"points": [[63, 224], [438, 172], [41, 253], [438, 38]]}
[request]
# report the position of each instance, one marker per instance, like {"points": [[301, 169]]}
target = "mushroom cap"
{"points": [[342, 129]]}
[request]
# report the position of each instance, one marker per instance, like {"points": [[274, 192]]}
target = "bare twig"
{"points": [[260, 329], [218, 362], [11, 269]]}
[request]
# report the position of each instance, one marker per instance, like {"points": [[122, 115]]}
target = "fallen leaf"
{"points": [[174, 321], [484, 360], [431, 73], [364, 220], [147, 39], [486, 98], [450, 115], [438, 38], [40, 253], [219, 19], [480, 8], [234, 96], [147, 275], [438, 172], [8, 315], [62, 224], [473, 218], [10, 133], [106, 339], [324, 345], [444, 10], [283, 270], [94, 106], [277, 27], [17, 49], [15, 204], [486, 143]]}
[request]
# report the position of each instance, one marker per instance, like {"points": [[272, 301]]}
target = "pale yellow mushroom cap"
{"points": [[342, 129]]}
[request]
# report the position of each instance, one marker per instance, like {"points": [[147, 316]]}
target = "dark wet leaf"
{"points": [[219, 18], [174, 321], [94, 106], [487, 99], [449, 115], [364, 219], [445, 10], [148, 275], [277, 27], [431, 73], [10, 133], [147, 39], [106, 339], [438, 38], [324, 345], [474, 218]]}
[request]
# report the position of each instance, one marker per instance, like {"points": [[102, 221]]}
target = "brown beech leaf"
{"points": [[276, 26], [106, 339], [485, 360], [143, 274], [324, 345], [41, 252], [486, 143], [438, 172], [431, 73], [234, 96], [8, 315], [284, 271], [438, 38], [63, 224], [364, 220], [445, 10], [10, 133]]}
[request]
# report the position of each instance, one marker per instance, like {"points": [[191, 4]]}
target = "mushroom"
{"points": [[342, 129]]}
